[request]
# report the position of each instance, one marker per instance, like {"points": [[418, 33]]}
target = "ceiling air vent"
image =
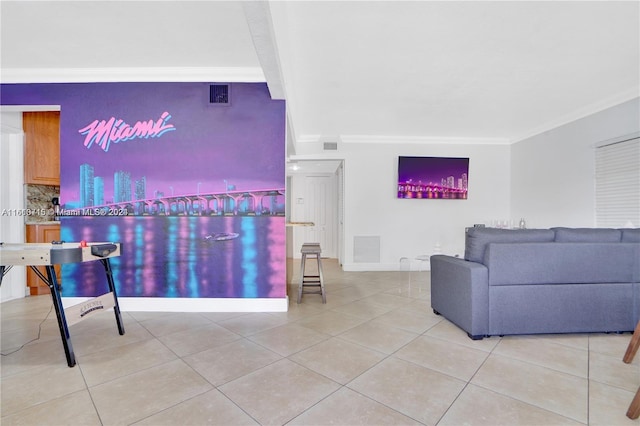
{"points": [[219, 94]]}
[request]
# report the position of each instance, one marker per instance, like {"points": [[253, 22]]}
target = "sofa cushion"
{"points": [[631, 235], [565, 263], [477, 239], [587, 235]]}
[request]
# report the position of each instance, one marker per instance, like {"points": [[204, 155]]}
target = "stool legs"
{"points": [[311, 280], [324, 296], [405, 265], [634, 344], [302, 267], [634, 408]]}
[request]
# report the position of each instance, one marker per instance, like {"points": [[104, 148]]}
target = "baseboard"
{"points": [[383, 267], [160, 304]]}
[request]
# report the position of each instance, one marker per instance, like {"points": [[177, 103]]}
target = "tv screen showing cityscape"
{"points": [[433, 178]]}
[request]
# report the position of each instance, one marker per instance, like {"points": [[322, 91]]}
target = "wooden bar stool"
{"points": [[634, 408], [311, 250]]}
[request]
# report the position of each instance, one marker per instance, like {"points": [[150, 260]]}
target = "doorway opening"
{"points": [[315, 197]]}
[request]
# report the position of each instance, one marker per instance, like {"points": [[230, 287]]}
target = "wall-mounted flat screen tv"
{"points": [[433, 178]]}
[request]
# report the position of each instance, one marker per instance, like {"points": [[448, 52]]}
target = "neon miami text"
{"points": [[116, 130]]}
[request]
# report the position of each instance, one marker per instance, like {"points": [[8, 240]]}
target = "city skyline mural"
{"points": [[433, 178], [193, 190]]}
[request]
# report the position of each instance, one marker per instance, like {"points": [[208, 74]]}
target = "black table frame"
{"points": [[52, 282]]}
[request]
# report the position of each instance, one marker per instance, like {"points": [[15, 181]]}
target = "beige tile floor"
{"points": [[375, 354]]}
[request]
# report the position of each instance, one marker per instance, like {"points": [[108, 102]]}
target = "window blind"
{"points": [[618, 183]]}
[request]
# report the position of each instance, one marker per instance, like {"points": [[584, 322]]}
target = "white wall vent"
{"points": [[366, 249], [331, 146]]}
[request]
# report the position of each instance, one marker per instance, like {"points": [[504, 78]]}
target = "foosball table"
{"points": [[33, 255]]}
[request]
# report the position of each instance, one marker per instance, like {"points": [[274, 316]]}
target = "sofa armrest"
{"points": [[460, 292]]}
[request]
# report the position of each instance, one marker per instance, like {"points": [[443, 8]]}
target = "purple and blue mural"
{"points": [[194, 191]]}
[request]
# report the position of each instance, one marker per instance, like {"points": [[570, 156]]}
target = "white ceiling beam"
{"points": [[258, 17], [151, 74]]}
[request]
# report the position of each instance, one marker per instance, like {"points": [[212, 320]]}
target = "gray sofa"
{"points": [[530, 281]]}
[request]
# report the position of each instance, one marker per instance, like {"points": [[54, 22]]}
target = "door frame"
{"points": [[294, 192]]}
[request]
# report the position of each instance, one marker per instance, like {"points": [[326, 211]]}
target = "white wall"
{"points": [[408, 228], [547, 179], [552, 182]]}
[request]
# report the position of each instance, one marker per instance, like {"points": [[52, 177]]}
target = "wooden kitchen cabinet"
{"points": [[41, 233], [42, 147]]}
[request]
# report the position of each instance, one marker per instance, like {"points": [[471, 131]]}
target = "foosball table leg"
{"points": [[112, 289], [62, 321]]}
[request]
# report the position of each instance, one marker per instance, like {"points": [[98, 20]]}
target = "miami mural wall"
{"points": [[188, 177]]}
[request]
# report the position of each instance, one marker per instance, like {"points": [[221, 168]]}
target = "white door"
{"points": [[321, 209], [14, 284]]}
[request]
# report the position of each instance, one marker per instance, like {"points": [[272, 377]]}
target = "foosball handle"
{"points": [[103, 250]]}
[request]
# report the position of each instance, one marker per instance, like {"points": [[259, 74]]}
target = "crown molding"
{"points": [[167, 74], [583, 112], [421, 140]]}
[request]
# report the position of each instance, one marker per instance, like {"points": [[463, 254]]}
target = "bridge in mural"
{"points": [[270, 202]]}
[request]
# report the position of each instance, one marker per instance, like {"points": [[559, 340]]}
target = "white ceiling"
{"points": [[500, 70]]}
